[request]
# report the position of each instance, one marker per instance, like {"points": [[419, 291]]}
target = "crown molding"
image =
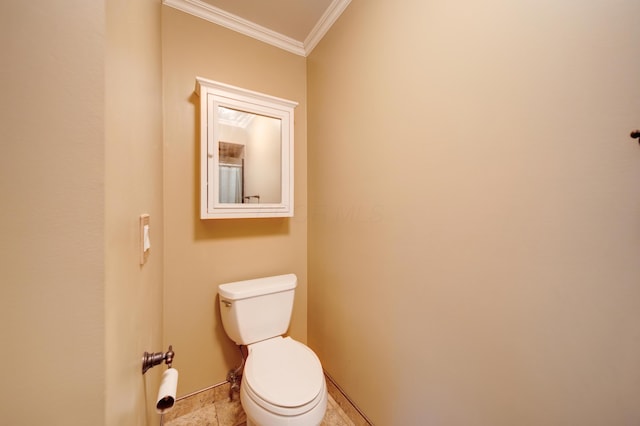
{"points": [[327, 20], [228, 20]]}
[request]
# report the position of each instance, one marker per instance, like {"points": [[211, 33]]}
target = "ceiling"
{"points": [[293, 25], [292, 18]]}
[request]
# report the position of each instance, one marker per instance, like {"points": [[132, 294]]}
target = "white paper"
{"points": [[167, 391]]}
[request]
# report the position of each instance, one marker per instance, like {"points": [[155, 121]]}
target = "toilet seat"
{"points": [[283, 376]]}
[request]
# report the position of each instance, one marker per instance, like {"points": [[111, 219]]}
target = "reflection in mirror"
{"points": [[231, 172], [249, 150]]}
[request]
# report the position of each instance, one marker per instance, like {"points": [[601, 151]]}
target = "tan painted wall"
{"points": [[82, 158], [474, 211], [201, 254], [52, 213], [133, 180]]}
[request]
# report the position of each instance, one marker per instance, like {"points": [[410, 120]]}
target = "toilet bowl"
{"points": [[283, 382]]}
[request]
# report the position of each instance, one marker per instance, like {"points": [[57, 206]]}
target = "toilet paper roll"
{"points": [[167, 391]]}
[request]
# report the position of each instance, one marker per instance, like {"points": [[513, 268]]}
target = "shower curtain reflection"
{"points": [[230, 183]]}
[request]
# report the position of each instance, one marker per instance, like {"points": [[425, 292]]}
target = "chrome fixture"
{"points": [[152, 359], [234, 376]]}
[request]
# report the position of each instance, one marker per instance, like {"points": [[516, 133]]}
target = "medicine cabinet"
{"points": [[246, 152]]}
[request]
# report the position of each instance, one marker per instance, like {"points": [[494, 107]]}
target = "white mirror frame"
{"points": [[213, 94]]}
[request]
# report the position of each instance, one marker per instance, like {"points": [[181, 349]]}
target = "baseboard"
{"points": [[346, 404]]}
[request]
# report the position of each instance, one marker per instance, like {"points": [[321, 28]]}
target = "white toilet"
{"points": [[283, 382]]}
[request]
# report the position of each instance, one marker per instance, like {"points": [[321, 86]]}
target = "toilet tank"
{"points": [[257, 309]]}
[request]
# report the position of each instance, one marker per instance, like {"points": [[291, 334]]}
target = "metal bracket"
{"points": [[152, 359]]}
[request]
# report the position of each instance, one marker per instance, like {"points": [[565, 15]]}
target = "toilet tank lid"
{"points": [[250, 288]]}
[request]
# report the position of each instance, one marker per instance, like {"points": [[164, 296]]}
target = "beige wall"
{"points": [[133, 182], [82, 158], [52, 213], [479, 266], [200, 254]]}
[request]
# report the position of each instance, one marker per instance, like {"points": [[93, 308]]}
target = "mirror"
{"points": [[246, 152]]}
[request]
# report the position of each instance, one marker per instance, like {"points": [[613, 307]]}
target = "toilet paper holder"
{"points": [[152, 359]]}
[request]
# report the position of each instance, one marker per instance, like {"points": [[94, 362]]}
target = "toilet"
{"points": [[283, 382]]}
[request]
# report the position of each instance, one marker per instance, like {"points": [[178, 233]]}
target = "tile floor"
{"points": [[212, 407]]}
